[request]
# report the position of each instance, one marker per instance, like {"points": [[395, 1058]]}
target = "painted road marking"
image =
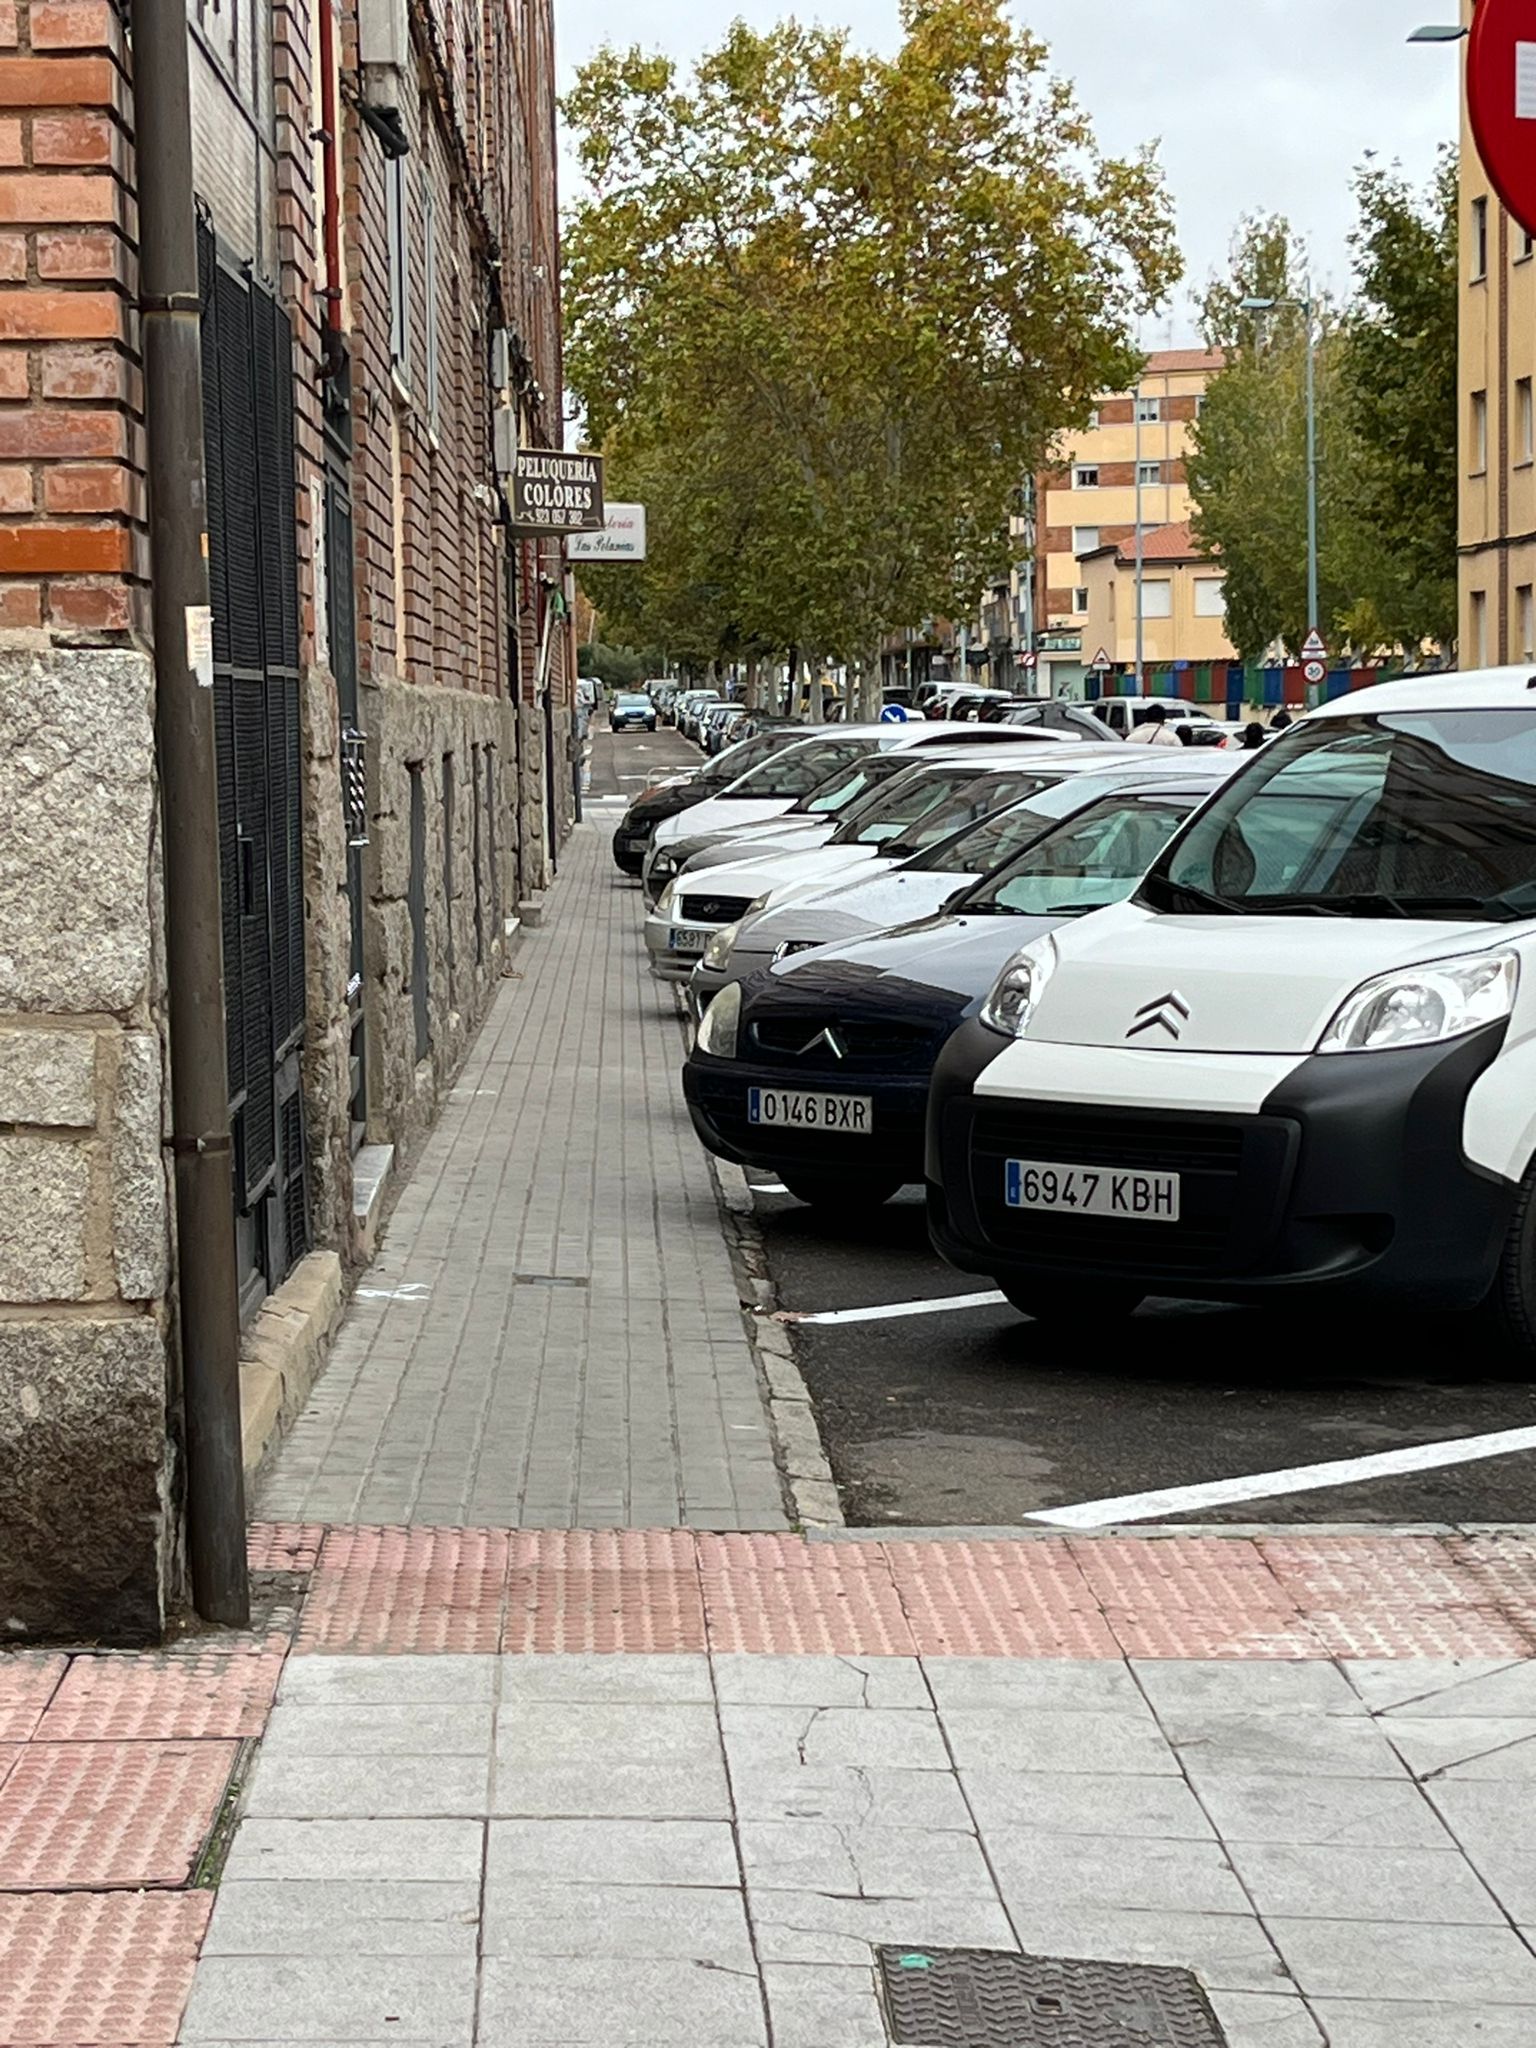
{"points": [[893, 1308], [1177, 1500], [767, 1187]]}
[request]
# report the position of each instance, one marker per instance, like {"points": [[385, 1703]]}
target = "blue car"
{"points": [[818, 1068]]}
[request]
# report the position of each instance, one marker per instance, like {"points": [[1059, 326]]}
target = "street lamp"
{"points": [[1307, 308]]}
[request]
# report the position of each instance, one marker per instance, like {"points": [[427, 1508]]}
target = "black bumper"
{"points": [[716, 1093], [1351, 1177], [629, 850]]}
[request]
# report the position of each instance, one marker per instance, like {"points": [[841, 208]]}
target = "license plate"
{"points": [[687, 939], [802, 1110], [1093, 1191]]}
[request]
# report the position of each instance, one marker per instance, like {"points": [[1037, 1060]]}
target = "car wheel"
{"points": [[1082, 1307], [840, 1190], [1510, 1303]]}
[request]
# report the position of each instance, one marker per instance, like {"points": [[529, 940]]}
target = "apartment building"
{"points": [[387, 665], [1497, 370], [1128, 462], [1183, 609]]}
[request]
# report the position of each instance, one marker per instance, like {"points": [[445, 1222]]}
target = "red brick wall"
{"points": [[72, 545]]}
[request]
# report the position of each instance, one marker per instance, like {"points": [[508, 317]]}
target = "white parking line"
{"points": [[1178, 1500], [767, 1187], [892, 1308]]}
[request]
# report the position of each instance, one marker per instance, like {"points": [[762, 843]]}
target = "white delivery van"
{"points": [[1302, 1058]]}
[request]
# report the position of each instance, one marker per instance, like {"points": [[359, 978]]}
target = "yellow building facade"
{"points": [[1183, 610], [1496, 374]]}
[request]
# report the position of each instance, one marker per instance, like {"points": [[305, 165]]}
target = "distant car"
{"points": [[691, 706], [668, 796], [1056, 714], [629, 711]]}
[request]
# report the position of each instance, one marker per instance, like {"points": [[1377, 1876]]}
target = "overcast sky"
{"points": [[1260, 105]]}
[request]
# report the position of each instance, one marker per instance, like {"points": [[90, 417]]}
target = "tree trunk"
{"points": [[754, 692]]}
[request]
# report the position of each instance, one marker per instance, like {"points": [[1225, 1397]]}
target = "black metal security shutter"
{"points": [[273, 354]]}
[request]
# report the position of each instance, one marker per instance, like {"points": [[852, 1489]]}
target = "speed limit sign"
{"points": [[1314, 671]]}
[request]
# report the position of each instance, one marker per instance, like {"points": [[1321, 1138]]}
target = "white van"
{"points": [[1302, 1058], [1123, 714]]}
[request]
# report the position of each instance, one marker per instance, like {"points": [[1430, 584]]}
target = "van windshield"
{"points": [[1400, 814]]}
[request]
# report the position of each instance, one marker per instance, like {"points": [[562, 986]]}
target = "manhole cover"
{"points": [[984, 1998]]}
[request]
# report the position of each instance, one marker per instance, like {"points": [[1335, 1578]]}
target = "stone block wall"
{"points": [[86, 1458]]}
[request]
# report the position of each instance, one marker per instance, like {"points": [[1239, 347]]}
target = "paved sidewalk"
{"points": [[551, 1336]]}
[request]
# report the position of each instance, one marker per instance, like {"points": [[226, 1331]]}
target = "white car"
{"points": [[929, 802], [1123, 714], [1301, 1060]]}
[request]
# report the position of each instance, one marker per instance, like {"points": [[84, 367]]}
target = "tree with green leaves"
{"points": [[842, 303]]}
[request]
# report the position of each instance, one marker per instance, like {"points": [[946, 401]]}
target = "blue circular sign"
{"points": [[894, 714]]}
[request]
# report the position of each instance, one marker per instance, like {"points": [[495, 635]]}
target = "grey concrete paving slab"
{"points": [[813, 2005], [1055, 1739], [360, 1729], [1117, 1805], [810, 1927], [388, 1681], [496, 1395], [667, 1852], [1320, 1882], [1095, 1871], [1178, 1687], [589, 1677], [1229, 1951], [849, 1794], [1383, 2023], [1408, 1961], [350, 1998], [599, 1999], [893, 1737], [1273, 1745], [285, 1786], [425, 1850], [1265, 1807], [1014, 1685], [868, 1861], [597, 1787], [749, 1680], [1263, 2019], [1464, 1746], [1433, 1685], [572, 1731], [332, 1917], [693, 1923]]}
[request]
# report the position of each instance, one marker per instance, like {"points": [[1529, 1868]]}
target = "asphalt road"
{"points": [[977, 1418]]}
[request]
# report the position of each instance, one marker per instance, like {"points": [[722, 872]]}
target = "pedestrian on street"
{"points": [[1153, 730], [1253, 737], [1280, 721]]}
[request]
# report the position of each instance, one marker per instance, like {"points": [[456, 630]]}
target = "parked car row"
{"points": [[1227, 1026]]}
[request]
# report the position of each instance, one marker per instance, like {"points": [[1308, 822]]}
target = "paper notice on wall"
{"points": [[1525, 81], [200, 644]]}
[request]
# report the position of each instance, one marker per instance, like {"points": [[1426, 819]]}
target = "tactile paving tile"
{"points": [[1204, 1574], [840, 1602], [283, 1546], [986, 1998], [596, 1550], [187, 1693], [1503, 1570], [10, 1753], [1389, 1631], [645, 1612], [1396, 1596], [398, 1590], [106, 1815], [28, 1680], [987, 1599], [105, 1968], [775, 1553]]}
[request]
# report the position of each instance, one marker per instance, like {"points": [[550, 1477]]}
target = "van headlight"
{"points": [[664, 866], [720, 1023], [666, 902], [1017, 990], [1418, 1005], [718, 952]]}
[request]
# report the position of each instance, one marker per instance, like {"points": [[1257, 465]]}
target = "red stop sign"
{"points": [[1501, 100]]}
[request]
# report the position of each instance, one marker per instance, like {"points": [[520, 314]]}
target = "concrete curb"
{"points": [[802, 1454], [284, 1351]]}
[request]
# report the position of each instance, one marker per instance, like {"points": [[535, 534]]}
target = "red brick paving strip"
{"points": [[397, 1591], [185, 1693], [108, 1969], [27, 1683], [283, 1546], [108, 1814]]}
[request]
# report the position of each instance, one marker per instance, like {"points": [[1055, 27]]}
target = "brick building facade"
{"points": [[379, 276]]}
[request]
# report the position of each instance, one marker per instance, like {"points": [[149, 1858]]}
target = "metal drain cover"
{"points": [[985, 1998]]}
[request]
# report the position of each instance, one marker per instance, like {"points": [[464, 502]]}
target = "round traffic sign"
{"points": [[1501, 101], [1314, 671], [894, 714]]}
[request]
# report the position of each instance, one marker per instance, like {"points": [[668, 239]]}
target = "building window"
{"points": [[429, 254], [1199, 403], [1149, 472], [399, 271], [1079, 600], [1477, 435], [1479, 239], [1085, 476], [1525, 422], [1210, 597], [1149, 410], [1477, 628], [1084, 539], [1093, 420], [1526, 248], [1525, 610], [1157, 598]]}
